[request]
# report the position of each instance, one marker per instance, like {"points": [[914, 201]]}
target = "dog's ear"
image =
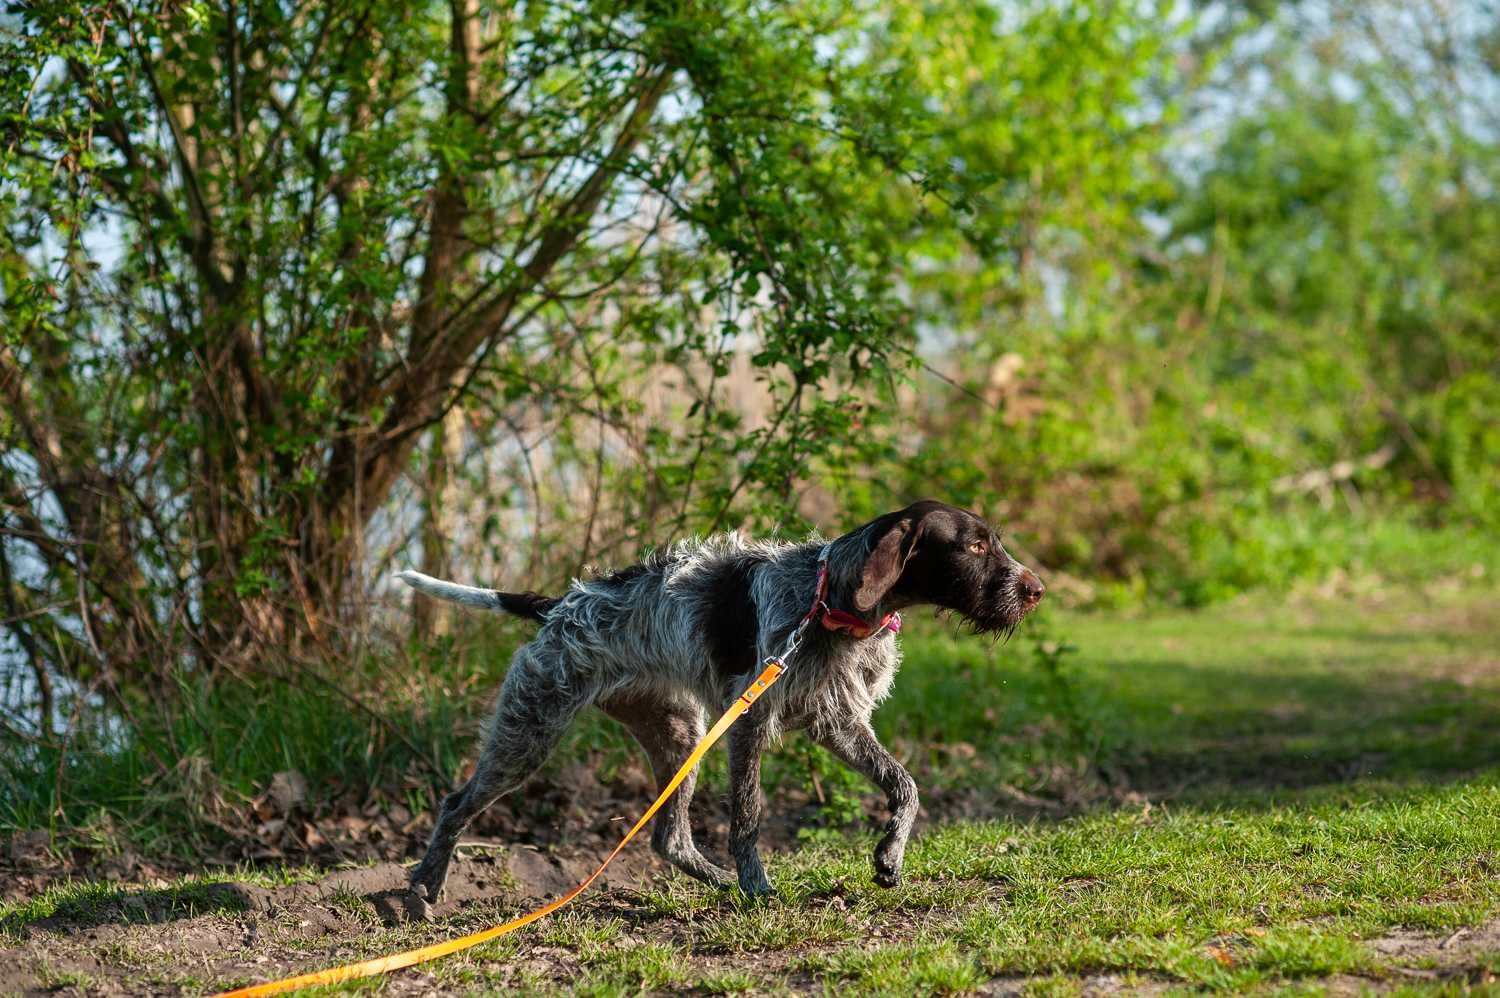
{"points": [[893, 547]]}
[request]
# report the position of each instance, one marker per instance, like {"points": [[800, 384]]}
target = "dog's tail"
{"points": [[532, 606]]}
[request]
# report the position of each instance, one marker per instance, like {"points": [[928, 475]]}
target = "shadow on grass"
{"points": [[1223, 704], [73, 906], [1269, 732]]}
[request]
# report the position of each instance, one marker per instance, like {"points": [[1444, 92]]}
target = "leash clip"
{"points": [[775, 665]]}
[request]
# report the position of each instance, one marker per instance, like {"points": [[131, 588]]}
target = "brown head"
{"points": [[931, 552]]}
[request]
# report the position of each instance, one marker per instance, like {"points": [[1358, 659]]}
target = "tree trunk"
{"points": [[444, 452]]}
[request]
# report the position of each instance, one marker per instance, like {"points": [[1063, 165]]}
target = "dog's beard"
{"points": [[997, 615]]}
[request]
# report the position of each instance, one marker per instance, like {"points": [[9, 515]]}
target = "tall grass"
{"points": [[178, 776]]}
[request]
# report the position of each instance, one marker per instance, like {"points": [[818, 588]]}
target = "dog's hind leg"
{"points": [[668, 732], [538, 700]]}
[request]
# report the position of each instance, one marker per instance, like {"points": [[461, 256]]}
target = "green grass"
{"points": [[1239, 798], [1243, 698], [1222, 897], [1287, 890], [85, 902], [913, 968], [164, 787]]}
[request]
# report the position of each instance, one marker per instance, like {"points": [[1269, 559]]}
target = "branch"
{"points": [[423, 395], [44, 443], [198, 205], [1340, 471], [450, 203], [16, 624], [195, 240], [574, 217]]}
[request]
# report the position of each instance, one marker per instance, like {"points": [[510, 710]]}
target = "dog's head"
{"points": [[931, 552]]}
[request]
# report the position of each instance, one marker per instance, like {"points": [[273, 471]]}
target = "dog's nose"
{"points": [[1030, 587]]}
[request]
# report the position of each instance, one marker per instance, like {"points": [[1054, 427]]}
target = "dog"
{"points": [[665, 643]]}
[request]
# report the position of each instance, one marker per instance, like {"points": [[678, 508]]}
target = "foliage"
{"points": [[1193, 301], [253, 254], [1268, 319]]}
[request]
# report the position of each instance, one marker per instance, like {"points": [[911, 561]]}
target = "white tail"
{"points": [[485, 599]]}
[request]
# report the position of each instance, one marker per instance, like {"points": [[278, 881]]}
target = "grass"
{"points": [[1215, 896], [167, 785], [1244, 697], [1226, 896], [928, 967], [1239, 798], [86, 902]]}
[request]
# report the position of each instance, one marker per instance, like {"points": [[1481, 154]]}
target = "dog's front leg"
{"points": [[858, 746], [747, 739]]}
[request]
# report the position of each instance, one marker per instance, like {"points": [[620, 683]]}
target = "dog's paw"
{"points": [[757, 887], [888, 856], [887, 867], [419, 899], [399, 906]]}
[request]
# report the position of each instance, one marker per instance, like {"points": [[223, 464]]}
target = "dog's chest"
{"points": [[878, 669], [846, 683]]}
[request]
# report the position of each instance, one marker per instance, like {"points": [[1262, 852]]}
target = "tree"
{"points": [[253, 253]]}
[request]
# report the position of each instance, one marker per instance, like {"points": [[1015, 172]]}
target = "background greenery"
{"points": [[1193, 299]]}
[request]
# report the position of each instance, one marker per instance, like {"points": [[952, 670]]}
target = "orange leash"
{"points": [[370, 968]]}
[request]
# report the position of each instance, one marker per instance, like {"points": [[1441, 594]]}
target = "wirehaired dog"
{"points": [[664, 643]]}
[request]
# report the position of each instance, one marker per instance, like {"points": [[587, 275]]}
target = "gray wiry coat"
{"points": [[681, 625], [665, 644]]}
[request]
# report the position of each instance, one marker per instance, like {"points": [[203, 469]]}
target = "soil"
{"points": [[130, 943], [143, 938], [525, 849], [115, 942], [569, 812], [528, 848]]}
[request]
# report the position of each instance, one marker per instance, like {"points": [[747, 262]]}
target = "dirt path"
{"points": [[179, 941], [132, 940]]}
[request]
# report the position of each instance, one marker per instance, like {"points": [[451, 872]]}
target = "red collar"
{"points": [[842, 621]]}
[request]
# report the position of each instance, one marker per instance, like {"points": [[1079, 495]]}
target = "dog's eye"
{"points": [[978, 547]]}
